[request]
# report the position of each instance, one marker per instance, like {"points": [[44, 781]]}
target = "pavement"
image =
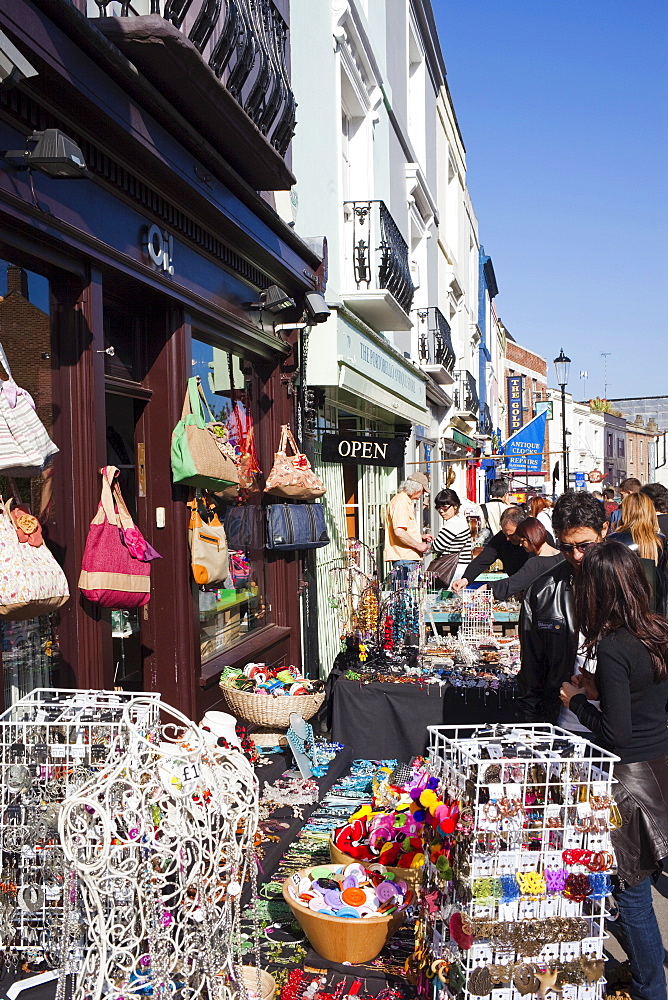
{"points": [[614, 948]]}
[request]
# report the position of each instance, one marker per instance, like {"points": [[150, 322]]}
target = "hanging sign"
{"points": [[356, 449], [524, 450], [515, 407]]}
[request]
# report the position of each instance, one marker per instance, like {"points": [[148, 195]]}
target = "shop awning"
{"points": [[464, 439]]}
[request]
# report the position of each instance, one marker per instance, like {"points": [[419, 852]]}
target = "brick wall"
{"points": [[521, 356], [25, 334]]}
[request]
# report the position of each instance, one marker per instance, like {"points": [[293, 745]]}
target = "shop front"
{"points": [[371, 400], [116, 288]]}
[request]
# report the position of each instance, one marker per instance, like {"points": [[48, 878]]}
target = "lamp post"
{"points": [[561, 366]]}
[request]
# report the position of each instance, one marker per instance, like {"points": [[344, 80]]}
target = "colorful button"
{"points": [[353, 896], [348, 911], [386, 891], [351, 882]]}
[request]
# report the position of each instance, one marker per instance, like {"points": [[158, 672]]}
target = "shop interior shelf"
{"points": [[232, 599]]}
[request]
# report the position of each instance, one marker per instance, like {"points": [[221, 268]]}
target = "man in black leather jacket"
{"points": [[548, 634]]}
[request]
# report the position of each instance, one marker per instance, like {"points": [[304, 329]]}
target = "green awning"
{"points": [[464, 439]]}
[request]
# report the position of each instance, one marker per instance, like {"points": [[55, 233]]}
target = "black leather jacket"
{"points": [[549, 642]]}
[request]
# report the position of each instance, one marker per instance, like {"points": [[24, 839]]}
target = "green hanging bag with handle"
{"points": [[197, 458]]}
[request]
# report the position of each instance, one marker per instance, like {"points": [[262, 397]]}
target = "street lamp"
{"points": [[561, 366]]}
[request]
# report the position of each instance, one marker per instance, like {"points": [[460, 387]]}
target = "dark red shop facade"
{"points": [[115, 289]]}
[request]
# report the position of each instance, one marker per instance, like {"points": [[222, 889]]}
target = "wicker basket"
{"points": [[265, 710], [268, 738], [267, 982]]}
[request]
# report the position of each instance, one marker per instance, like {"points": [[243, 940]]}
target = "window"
{"points": [[29, 648], [609, 444], [229, 611], [620, 447], [630, 449], [640, 450]]}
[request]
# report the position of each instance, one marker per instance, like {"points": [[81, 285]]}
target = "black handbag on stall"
{"points": [[295, 526]]}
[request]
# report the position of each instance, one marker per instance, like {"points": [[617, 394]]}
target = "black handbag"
{"points": [[243, 527], [294, 526], [443, 567]]}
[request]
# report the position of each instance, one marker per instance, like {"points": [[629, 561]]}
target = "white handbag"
{"points": [[31, 581], [25, 447]]}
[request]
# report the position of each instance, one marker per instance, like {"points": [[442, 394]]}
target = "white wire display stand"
{"points": [[558, 782], [129, 839], [477, 615]]}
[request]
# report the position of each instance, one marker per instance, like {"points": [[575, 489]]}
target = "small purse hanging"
{"points": [[196, 458], [116, 564], [291, 475]]}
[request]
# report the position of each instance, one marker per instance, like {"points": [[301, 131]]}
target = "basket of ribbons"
{"points": [[267, 697]]}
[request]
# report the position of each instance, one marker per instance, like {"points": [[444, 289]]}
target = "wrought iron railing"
{"points": [[379, 251], [434, 338], [465, 393], [244, 43], [485, 424]]}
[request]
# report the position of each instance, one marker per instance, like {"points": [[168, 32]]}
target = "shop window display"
{"points": [[29, 648], [230, 611]]}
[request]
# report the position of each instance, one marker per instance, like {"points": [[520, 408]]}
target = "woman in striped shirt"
{"points": [[455, 535]]}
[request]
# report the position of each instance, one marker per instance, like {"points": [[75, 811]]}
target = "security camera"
{"points": [[14, 67], [316, 307]]}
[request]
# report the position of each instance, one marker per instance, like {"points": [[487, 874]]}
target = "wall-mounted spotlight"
{"points": [[273, 300], [14, 66], [53, 154]]}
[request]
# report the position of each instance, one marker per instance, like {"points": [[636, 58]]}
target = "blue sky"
{"points": [[563, 108]]}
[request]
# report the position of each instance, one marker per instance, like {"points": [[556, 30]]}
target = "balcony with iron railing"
{"points": [[435, 353], [465, 397], [485, 424], [377, 282], [223, 65]]}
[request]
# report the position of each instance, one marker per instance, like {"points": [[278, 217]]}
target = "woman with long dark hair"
{"points": [[630, 643], [534, 539]]}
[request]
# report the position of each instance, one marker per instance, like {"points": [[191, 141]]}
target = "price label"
{"points": [[58, 751]]}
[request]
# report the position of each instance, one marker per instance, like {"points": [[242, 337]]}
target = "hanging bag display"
{"points": [[292, 475], [209, 556], [25, 447], [196, 458], [294, 526], [31, 581], [115, 569]]}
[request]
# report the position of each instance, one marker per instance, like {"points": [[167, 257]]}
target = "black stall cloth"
{"points": [[383, 720]]}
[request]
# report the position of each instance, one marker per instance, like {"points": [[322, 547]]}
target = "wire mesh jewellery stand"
{"points": [[159, 847], [477, 615], [527, 794], [52, 742]]}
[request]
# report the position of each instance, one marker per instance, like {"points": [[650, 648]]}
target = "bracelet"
{"points": [[577, 887]]}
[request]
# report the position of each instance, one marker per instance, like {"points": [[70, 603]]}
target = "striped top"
{"points": [[454, 536]]}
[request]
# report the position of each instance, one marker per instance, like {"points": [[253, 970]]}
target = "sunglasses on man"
{"points": [[569, 546]]}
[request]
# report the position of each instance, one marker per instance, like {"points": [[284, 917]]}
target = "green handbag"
{"points": [[197, 460]]}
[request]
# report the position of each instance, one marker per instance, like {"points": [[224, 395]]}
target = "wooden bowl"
{"points": [[411, 876], [339, 939]]}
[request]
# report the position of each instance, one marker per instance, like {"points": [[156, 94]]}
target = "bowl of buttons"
{"points": [[348, 912], [409, 875]]}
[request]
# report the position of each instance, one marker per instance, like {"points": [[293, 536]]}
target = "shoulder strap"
{"points": [[289, 437], [483, 507], [109, 473]]}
